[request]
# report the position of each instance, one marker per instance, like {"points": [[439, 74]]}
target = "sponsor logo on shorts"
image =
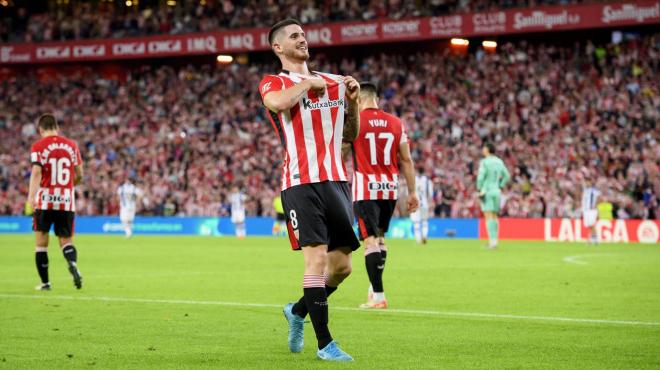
{"points": [[382, 186], [50, 198]]}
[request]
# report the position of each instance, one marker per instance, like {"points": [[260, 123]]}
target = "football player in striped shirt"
{"points": [[590, 195], [420, 217], [129, 197], [312, 113], [56, 168], [379, 146], [237, 200]]}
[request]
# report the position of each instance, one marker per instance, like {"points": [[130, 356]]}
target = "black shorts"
{"points": [[280, 217], [374, 216], [320, 213], [62, 220]]}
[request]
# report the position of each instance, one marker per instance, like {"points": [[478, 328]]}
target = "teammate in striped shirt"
{"points": [[237, 200], [420, 217], [56, 168], [590, 195], [381, 142], [312, 112], [129, 197]]}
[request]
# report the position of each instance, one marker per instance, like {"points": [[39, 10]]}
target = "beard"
{"points": [[297, 54]]}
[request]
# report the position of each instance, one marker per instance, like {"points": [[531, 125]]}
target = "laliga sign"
{"points": [[647, 232], [571, 231], [617, 231]]}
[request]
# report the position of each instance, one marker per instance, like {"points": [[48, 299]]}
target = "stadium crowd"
{"points": [[558, 116], [106, 19]]}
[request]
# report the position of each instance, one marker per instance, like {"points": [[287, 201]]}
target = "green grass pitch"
{"points": [[188, 302]]}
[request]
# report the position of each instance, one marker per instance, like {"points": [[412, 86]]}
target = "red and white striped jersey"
{"points": [[376, 154], [311, 131], [57, 157]]}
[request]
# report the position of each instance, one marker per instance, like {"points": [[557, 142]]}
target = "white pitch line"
{"points": [[575, 259], [352, 309], [578, 258]]}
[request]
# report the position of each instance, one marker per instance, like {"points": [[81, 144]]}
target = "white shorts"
{"points": [[126, 215], [589, 217], [238, 217], [420, 215]]}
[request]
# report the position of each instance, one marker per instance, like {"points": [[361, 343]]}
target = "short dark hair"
{"points": [[368, 87], [279, 25], [490, 146], [47, 122]]}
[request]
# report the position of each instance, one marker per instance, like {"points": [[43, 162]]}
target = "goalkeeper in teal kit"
{"points": [[492, 177]]}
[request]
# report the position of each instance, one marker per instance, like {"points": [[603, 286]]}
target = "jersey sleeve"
{"points": [[77, 161], [404, 135], [270, 83], [35, 156]]}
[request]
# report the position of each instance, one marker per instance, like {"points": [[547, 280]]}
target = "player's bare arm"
{"points": [[35, 180], [278, 101], [352, 124], [408, 170], [346, 149], [79, 175]]}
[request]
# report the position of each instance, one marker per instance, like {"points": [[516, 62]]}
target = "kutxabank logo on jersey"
{"points": [[307, 104]]}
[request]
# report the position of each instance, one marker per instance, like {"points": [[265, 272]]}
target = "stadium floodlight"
{"points": [[171, 2], [459, 42], [129, 3], [225, 59], [489, 44]]}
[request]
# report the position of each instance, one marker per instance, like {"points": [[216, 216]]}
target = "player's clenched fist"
{"points": [[352, 88], [317, 85]]}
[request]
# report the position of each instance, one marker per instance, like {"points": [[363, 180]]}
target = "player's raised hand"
{"points": [[318, 86], [412, 202], [352, 88]]}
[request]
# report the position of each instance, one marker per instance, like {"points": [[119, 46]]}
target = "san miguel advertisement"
{"points": [[543, 19]]}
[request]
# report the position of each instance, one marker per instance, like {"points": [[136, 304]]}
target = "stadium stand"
{"points": [[187, 133], [100, 19]]}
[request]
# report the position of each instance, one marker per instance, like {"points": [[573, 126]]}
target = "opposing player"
{"points": [[590, 195], [420, 217], [492, 177], [381, 142], [237, 200], [129, 197], [56, 168], [307, 110]]}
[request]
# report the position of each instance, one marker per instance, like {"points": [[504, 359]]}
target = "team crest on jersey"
{"points": [[309, 105]]}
